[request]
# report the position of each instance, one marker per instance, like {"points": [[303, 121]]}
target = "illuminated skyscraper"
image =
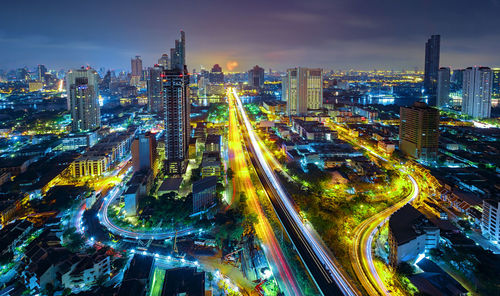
{"points": [[256, 77], [216, 75], [83, 92], [176, 107], [477, 87], [155, 90], [443, 87], [432, 47], [303, 90], [178, 54], [419, 131], [495, 95]]}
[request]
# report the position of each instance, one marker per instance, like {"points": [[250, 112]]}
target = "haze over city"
{"points": [[338, 34]]}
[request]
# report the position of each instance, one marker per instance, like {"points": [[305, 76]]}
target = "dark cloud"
{"points": [[358, 34]]}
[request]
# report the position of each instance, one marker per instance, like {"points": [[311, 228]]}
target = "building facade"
{"points": [[83, 92], [477, 88], [216, 75], [432, 48], [443, 87], [256, 77], [176, 107], [144, 152], [155, 90], [490, 222], [419, 131], [303, 90]]}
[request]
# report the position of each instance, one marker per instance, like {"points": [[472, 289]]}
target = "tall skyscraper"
{"points": [[136, 64], [419, 131], [155, 89], [457, 80], [476, 92], [136, 76], [164, 61], [256, 77], [178, 54], [144, 152], [303, 90], [431, 67], [83, 92], [41, 73], [216, 75], [176, 109], [443, 87]]}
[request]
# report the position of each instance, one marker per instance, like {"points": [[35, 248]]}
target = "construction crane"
{"points": [[145, 246]]}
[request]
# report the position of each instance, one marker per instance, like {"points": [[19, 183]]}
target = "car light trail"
{"points": [[334, 272]]}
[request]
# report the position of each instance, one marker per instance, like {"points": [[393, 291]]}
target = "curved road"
{"points": [[104, 220], [361, 251]]}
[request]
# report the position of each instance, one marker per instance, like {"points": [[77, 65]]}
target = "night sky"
{"points": [[333, 34]]}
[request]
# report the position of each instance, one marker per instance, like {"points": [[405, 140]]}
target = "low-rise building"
{"points": [[410, 234], [83, 274], [204, 193]]}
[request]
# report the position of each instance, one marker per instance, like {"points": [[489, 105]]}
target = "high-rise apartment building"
{"points": [[303, 90], [155, 89], [443, 87], [83, 92], [176, 108], [495, 94], [432, 47], [256, 77], [144, 152], [476, 92], [419, 131], [216, 75], [164, 61]]}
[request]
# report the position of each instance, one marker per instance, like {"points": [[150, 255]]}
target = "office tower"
{"points": [[144, 152], [476, 92], [303, 90], [41, 73], [83, 101], [216, 75], [431, 67], [443, 87], [178, 54], [164, 61], [176, 109], [154, 85], [256, 77], [419, 131]]}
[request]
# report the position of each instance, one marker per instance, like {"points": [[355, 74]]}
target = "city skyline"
{"points": [[350, 35]]}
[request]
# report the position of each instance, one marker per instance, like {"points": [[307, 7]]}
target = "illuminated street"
{"points": [[243, 184]]}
